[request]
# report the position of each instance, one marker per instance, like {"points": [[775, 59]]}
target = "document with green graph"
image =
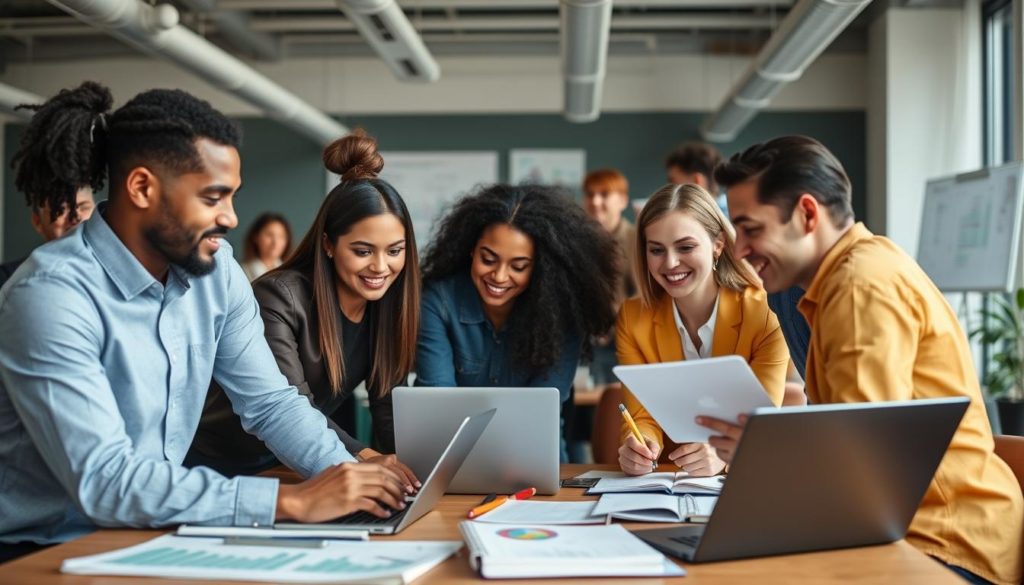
{"points": [[210, 558]]}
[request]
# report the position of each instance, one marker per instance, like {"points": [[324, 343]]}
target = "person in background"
{"points": [[267, 244], [695, 163], [110, 336], [44, 174], [880, 331], [516, 281], [605, 197], [343, 310], [697, 300]]}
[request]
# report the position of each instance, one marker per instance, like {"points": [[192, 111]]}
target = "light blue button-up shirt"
{"points": [[103, 375]]}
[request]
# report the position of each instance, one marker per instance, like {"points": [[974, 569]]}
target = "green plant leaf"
{"points": [[1020, 299]]}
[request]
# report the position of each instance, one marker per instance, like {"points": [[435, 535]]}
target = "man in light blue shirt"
{"points": [[110, 336]]}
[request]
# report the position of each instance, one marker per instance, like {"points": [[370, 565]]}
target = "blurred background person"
{"points": [[267, 243]]}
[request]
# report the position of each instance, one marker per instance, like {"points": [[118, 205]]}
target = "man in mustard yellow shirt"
{"points": [[880, 330]]}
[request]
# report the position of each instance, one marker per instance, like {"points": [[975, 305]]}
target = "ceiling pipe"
{"points": [[386, 28], [806, 31], [155, 30], [12, 97], [234, 25], [586, 25]]}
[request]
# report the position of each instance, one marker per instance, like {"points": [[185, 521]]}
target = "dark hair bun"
{"points": [[354, 157]]}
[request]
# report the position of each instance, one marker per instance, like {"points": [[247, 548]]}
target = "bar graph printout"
{"points": [[209, 558]]}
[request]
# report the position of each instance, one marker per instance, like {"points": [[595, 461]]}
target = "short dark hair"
{"points": [[786, 168], [696, 157], [159, 128]]}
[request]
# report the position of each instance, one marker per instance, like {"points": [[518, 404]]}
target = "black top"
{"points": [[286, 305], [6, 270]]}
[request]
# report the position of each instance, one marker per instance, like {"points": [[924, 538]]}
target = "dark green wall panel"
{"points": [[281, 170]]}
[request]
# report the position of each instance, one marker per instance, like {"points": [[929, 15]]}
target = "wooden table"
{"points": [[893, 563]]}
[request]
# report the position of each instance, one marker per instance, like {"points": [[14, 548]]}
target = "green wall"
{"points": [[281, 170]]}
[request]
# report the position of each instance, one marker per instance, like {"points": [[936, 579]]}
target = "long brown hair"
{"points": [[693, 200], [395, 317]]}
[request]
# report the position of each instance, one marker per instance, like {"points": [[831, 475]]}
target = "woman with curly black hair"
{"points": [[515, 281]]}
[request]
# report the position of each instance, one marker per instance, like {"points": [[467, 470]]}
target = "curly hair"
{"points": [[72, 142], [63, 149], [575, 274]]}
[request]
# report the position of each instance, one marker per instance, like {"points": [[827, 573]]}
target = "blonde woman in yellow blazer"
{"points": [[696, 300]]}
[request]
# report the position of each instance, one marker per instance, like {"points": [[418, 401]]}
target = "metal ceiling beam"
{"points": [[531, 23], [234, 25], [303, 5]]}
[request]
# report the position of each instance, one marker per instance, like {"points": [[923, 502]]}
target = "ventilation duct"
{"points": [[12, 97], [389, 32], [586, 25], [806, 31], [155, 30], [234, 26]]}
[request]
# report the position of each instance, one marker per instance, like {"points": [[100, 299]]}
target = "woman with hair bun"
{"points": [[342, 310], [517, 280]]}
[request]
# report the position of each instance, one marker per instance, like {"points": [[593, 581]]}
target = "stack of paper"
{"points": [[520, 551], [209, 558], [553, 513]]}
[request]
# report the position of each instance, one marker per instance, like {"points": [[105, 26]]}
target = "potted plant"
{"points": [[1003, 328]]}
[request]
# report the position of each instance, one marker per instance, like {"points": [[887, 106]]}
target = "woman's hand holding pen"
{"points": [[636, 458]]}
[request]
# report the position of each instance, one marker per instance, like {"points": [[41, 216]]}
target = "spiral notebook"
{"points": [[656, 507]]}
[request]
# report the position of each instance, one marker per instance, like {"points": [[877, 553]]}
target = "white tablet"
{"points": [[674, 393]]}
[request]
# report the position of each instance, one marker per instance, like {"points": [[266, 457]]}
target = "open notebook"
{"points": [[670, 483], [656, 507]]}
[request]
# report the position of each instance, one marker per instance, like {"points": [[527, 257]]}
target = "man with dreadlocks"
{"points": [[58, 183], [110, 336]]}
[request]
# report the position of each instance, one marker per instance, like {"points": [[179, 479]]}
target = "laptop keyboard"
{"points": [[363, 517], [690, 541]]}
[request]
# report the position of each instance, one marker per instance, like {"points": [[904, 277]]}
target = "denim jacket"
{"points": [[458, 345]]}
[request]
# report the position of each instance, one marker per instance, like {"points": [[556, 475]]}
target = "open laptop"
{"points": [[821, 477], [454, 455], [519, 450]]}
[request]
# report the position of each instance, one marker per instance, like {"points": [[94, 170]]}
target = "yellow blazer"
{"points": [[745, 326]]}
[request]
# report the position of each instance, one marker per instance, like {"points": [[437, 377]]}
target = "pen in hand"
{"points": [[636, 431]]}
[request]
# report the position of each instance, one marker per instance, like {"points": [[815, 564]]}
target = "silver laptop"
{"points": [[821, 477], [448, 462], [519, 450]]}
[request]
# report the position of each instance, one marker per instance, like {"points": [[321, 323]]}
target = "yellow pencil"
{"points": [[636, 430]]}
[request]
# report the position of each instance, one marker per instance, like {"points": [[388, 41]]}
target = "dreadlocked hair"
{"points": [[575, 266], [63, 149], [158, 129]]}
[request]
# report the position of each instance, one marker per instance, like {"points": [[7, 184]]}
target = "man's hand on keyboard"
{"points": [[341, 490]]}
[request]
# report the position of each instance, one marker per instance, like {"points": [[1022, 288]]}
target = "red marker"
{"points": [[524, 494]]}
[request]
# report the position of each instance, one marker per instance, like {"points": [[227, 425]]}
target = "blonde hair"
{"points": [[732, 272]]}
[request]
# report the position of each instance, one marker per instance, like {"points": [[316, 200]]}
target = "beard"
{"points": [[179, 244]]}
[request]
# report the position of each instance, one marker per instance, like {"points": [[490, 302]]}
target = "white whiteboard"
{"points": [[428, 181], [971, 228], [548, 166]]}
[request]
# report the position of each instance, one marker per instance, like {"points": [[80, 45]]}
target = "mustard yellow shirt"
{"points": [[744, 326], [881, 330]]}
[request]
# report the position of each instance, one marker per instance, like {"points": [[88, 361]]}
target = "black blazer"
{"points": [[286, 305]]}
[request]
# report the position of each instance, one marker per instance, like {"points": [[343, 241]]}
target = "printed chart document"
{"points": [[208, 558], [670, 483], [656, 507], [548, 513], [502, 552], [675, 393], [242, 531]]}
